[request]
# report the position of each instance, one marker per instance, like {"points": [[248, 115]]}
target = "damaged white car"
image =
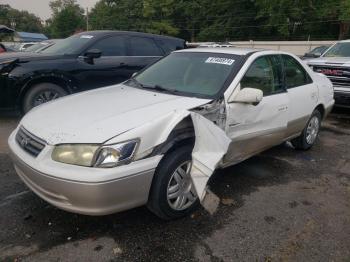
{"points": [[157, 138]]}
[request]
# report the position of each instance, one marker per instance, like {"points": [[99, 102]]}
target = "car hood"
{"points": [[26, 56], [330, 60], [97, 116]]}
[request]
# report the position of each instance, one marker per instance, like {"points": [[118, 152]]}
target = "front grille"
{"points": [[342, 99], [29, 143], [340, 76]]}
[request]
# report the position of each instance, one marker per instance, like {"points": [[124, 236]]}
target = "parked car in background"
{"points": [[316, 52], [157, 138], [217, 44], [6, 48], [23, 47], [38, 47], [2, 48], [81, 62], [335, 64], [11, 46]]}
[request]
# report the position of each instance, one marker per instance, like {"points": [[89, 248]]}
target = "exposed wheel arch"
{"points": [[321, 108], [182, 134]]}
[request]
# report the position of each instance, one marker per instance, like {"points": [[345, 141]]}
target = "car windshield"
{"points": [[319, 50], [194, 74], [339, 50], [69, 46]]}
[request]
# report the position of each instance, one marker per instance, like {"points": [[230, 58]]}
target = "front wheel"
{"points": [[310, 133], [40, 94], [173, 194]]}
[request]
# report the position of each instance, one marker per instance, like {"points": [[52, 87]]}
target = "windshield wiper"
{"points": [[155, 87]]}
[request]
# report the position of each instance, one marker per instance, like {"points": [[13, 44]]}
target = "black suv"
{"points": [[81, 62]]}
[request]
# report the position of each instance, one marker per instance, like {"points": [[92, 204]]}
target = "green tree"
{"points": [[117, 15], [68, 18], [23, 20], [158, 14], [298, 19], [339, 12], [228, 19]]}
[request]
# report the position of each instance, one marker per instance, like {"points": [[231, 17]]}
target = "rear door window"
{"points": [[295, 74], [142, 46], [111, 46]]}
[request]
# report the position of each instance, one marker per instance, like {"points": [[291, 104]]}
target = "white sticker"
{"points": [[220, 60], [86, 36]]}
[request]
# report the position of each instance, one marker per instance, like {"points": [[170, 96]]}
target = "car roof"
{"points": [[223, 50], [101, 33]]}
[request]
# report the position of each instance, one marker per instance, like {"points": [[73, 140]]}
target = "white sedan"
{"points": [[157, 138]]}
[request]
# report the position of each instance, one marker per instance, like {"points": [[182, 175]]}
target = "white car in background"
{"points": [[24, 46], [335, 64], [157, 138]]}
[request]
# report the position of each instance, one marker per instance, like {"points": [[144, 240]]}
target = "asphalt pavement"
{"points": [[282, 205]]}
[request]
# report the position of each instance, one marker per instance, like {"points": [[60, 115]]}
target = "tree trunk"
{"points": [[343, 30]]}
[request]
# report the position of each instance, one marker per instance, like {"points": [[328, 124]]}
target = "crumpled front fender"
{"points": [[211, 143]]}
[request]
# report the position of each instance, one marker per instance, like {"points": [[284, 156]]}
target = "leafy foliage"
{"points": [[67, 19], [23, 20], [204, 20], [198, 20]]}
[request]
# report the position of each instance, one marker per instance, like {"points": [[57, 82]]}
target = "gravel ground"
{"points": [[282, 205]]}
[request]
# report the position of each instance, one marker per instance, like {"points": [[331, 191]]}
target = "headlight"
{"points": [[118, 154], [95, 155], [81, 155]]}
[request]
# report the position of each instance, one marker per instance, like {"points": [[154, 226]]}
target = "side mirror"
{"points": [[312, 55], [247, 95], [134, 74], [93, 53]]}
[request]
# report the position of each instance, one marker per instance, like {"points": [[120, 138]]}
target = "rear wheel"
{"points": [[310, 133], [173, 194], [40, 94]]}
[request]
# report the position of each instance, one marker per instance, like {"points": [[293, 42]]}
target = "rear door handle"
{"points": [[282, 108]]}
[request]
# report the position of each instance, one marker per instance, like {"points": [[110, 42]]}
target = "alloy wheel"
{"points": [[181, 193], [312, 130], [45, 97]]}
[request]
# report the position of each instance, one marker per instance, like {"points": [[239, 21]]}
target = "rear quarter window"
{"points": [[170, 45], [142, 46]]}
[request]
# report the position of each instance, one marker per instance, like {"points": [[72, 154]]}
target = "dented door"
{"points": [[254, 128]]}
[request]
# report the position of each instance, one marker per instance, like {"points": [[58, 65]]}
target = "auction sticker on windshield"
{"points": [[220, 60]]}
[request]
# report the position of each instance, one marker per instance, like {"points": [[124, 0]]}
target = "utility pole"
{"points": [[87, 19]]}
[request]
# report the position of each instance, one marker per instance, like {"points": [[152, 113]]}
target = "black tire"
{"points": [[158, 199], [44, 91], [301, 142]]}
